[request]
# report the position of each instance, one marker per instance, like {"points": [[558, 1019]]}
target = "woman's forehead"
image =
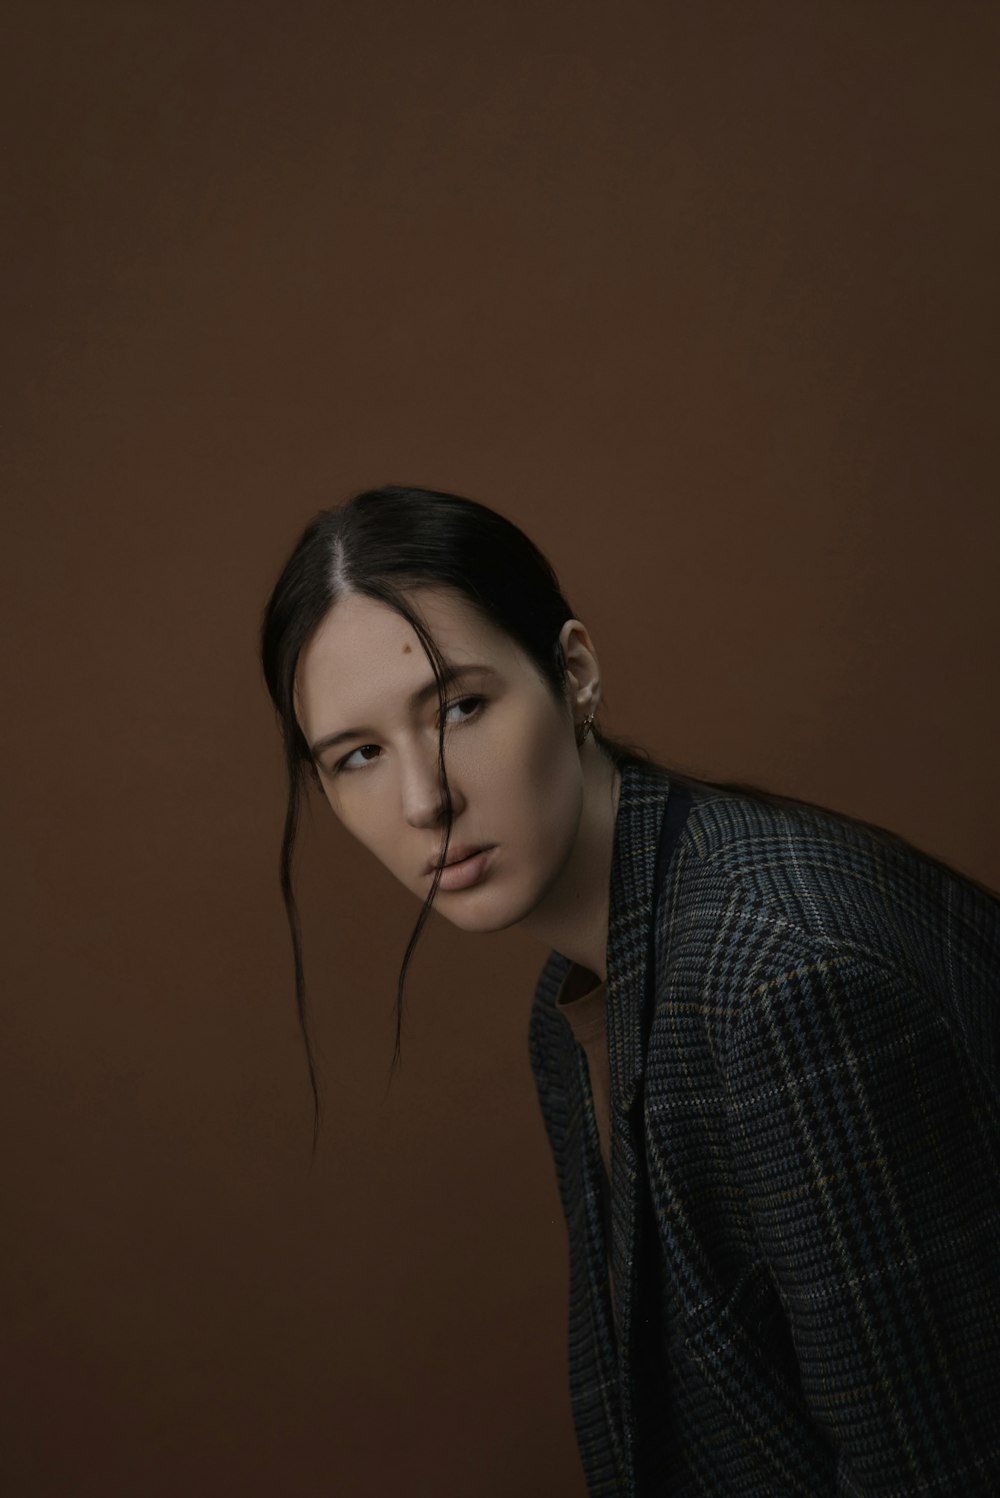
{"points": [[363, 651], [358, 624]]}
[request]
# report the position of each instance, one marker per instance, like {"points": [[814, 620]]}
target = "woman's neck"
{"points": [[573, 916]]}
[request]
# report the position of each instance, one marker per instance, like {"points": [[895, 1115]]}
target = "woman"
{"points": [[765, 1039]]}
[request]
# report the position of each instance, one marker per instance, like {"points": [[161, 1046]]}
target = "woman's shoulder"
{"points": [[821, 880]]}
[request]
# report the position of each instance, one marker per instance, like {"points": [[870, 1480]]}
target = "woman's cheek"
{"points": [[556, 791]]}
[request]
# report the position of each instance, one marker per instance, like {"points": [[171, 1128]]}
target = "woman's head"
{"points": [[367, 705], [385, 596]]}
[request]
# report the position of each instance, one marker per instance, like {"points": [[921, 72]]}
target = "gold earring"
{"points": [[586, 728]]}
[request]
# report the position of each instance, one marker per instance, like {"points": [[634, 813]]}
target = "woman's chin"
{"points": [[482, 920], [479, 910]]}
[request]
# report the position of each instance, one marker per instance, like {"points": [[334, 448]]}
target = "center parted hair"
{"points": [[383, 543]]}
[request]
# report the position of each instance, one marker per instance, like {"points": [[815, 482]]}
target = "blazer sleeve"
{"points": [[869, 1141]]}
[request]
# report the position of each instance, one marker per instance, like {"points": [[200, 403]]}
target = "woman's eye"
{"points": [[464, 702], [345, 764]]}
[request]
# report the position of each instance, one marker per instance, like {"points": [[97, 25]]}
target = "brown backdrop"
{"points": [[705, 297]]}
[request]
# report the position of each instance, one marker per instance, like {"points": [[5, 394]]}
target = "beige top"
{"points": [[582, 1000]]}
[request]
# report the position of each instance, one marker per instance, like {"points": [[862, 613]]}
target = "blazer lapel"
{"points": [[603, 1366]]}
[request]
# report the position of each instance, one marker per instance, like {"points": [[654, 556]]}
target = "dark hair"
{"points": [[381, 543]]}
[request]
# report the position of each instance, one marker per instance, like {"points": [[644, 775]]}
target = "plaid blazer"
{"points": [[804, 1048]]}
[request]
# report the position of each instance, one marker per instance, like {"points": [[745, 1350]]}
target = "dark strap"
{"points": [[678, 806]]}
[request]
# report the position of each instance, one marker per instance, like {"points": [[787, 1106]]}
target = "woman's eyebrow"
{"points": [[417, 698]]}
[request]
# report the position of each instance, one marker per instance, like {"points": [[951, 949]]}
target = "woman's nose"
{"points": [[421, 791]]}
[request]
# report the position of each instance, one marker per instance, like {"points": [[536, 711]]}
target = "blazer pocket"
{"points": [[741, 1350]]}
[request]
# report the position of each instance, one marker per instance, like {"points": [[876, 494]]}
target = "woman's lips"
{"points": [[466, 873]]}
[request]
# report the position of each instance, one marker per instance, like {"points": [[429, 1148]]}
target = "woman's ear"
{"points": [[582, 665]]}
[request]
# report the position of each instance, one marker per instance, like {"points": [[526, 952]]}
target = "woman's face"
{"points": [[510, 751]]}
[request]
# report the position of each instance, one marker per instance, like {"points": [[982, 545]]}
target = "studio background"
{"points": [[705, 298]]}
